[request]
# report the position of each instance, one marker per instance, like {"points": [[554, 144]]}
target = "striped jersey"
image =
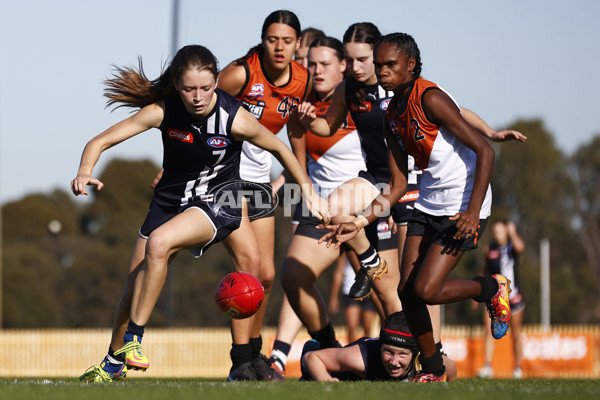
{"points": [[271, 105], [447, 165], [199, 153], [369, 117], [335, 159]]}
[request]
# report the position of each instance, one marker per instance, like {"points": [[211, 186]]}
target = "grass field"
{"points": [[147, 389]]}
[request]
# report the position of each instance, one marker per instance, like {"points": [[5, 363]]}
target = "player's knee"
{"points": [[340, 210], [248, 261], [158, 247], [427, 292], [267, 276]]}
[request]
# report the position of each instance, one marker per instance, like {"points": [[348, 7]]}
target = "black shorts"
{"points": [[442, 230], [307, 224], [379, 233], [403, 209], [223, 219], [259, 199]]}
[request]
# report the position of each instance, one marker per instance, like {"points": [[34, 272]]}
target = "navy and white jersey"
{"points": [[504, 260], [200, 153], [369, 118], [370, 349]]}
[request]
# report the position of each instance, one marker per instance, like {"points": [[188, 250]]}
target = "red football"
{"points": [[239, 295]]}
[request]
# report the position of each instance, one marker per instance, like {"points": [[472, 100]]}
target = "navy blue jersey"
{"points": [[200, 153], [504, 260], [370, 349], [369, 118]]}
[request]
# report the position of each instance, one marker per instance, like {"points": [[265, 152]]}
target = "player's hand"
{"points": [[79, 184], [157, 179], [306, 113], [318, 207], [508, 134], [392, 225], [339, 233], [466, 224]]}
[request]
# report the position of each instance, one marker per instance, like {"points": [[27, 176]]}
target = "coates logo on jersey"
{"points": [[258, 89], [384, 104], [218, 142], [229, 199], [180, 135], [363, 107]]}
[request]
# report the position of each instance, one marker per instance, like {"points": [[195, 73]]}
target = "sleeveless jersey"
{"points": [[271, 105], [504, 260], [370, 349], [448, 165], [335, 159], [369, 117], [199, 153], [413, 183]]}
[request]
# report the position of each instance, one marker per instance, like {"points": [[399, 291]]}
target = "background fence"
{"points": [[565, 351]]}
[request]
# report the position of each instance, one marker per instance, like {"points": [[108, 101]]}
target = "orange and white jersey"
{"points": [[335, 159], [271, 105], [448, 165]]}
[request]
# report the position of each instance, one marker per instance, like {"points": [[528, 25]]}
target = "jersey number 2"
{"points": [[418, 135]]}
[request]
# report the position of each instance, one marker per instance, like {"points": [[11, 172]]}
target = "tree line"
{"points": [[64, 263]]}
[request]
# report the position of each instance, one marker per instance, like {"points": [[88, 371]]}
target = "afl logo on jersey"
{"points": [[383, 227], [384, 104], [218, 142], [257, 90]]}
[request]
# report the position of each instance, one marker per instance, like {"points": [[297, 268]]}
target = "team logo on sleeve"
{"points": [[257, 90], [218, 142]]}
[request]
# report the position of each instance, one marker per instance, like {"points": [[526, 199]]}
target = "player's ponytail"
{"points": [[129, 87]]}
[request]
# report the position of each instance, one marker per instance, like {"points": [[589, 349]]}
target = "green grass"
{"points": [[201, 389]]}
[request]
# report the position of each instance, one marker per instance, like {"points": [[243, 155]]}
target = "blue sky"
{"points": [[505, 60]]}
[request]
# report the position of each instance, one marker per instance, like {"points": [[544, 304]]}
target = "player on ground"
{"points": [[390, 357]]}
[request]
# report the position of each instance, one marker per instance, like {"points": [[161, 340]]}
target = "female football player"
{"points": [[269, 84], [454, 197], [203, 129], [389, 357]]}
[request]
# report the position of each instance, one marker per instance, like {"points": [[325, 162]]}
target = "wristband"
{"points": [[361, 221]]}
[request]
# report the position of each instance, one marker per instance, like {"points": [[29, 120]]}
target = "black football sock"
{"points": [[280, 353], [433, 364], [256, 345], [325, 337], [369, 258], [489, 288], [240, 354]]}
